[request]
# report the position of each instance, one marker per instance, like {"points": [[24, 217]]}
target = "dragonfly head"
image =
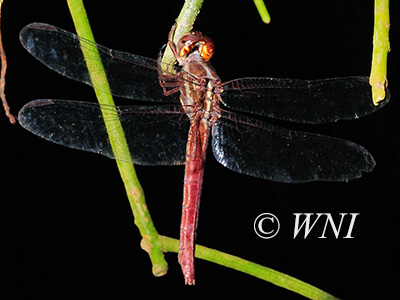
{"points": [[195, 42]]}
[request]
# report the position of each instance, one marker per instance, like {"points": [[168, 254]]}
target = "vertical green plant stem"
{"points": [[262, 10], [256, 270], [150, 241], [381, 47]]}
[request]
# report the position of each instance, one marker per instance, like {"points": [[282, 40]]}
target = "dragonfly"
{"points": [[190, 106]]}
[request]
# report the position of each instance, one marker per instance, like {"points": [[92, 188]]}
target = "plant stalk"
{"points": [[150, 242]]}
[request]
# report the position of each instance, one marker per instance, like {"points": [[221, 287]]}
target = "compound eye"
{"points": [[187, 43], [207, 50], [186, 48]]}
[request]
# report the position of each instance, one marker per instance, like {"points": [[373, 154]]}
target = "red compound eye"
{"points": [[195, 41]]}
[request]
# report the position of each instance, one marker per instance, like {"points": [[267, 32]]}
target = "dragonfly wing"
{"points": [[155, 135], [267, 151], [129, 76], [302, 101]]}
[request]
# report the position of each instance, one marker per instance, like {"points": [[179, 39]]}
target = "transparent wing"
{"points": [[267, 151], [129, 76], [155, 135], [302, 101]]}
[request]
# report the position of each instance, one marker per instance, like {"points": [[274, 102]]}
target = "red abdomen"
{"points": [[195, 157]]}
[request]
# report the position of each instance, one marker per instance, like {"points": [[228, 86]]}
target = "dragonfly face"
{"points": [[195, 41]]}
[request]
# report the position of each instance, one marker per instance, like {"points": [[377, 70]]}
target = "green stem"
{"points": [[150, 241], [184, 22], [262, 10], [256, 270], [381, 47]]}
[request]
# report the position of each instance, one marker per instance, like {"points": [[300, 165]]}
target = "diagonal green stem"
{"points": [[256, 270], [184, 22], [262, 10], [150, 241]]}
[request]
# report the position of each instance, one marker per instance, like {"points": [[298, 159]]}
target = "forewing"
{"points": [[129, 76], [302, 101]]}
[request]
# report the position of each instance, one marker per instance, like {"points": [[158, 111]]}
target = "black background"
{"points": [[66, 228]]}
